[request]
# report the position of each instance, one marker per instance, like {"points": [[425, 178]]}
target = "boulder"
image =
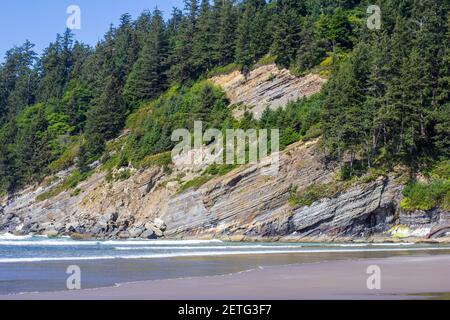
{"points": [[51, 233], [135, 232], [59, 226], [158, 233], [149, 226], [97, 230], [46, 226], [124, 235], [108, 218], [160, 224], [148, 234], [72, 226]]}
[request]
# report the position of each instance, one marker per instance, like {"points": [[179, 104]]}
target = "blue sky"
{"points": [[40, 20]]}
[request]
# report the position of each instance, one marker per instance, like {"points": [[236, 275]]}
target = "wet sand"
{"points": [[404, 277]]}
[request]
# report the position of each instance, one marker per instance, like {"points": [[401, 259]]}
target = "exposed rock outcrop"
{"points": [[362, 211], [242, 205], [266, 86]]}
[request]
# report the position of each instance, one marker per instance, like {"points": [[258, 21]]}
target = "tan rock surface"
{"points": [[267, 86]]}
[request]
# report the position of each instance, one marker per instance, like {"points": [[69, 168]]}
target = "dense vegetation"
{"points": [[387, 101]]}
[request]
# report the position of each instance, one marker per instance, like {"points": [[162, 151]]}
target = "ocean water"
{"points": [[37, 264]]}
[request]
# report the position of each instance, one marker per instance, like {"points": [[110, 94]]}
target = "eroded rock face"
{"points": [[245, 200], [266, 86], [242, 205], [361, 211]]}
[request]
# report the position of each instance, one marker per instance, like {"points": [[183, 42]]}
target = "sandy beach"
{"points": [[408, 277]]}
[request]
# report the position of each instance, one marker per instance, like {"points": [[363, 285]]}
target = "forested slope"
{"points": [[386, 104]]}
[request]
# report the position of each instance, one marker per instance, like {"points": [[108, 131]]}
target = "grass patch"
{"points": [[123, 175], [372, 175], [210, 173], [68, 183], [265, 61], [195, 183], [313, 132], [158, 160], [224, 70], [314, 193], [220, 170], [76, 192], [110, 162]]}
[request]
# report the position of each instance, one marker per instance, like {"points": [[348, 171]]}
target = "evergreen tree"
{"points": [[225, 38], [148, 77], [142, 28], [182, 71], [312, 49], [18, 81], [125, 49], [106, 118], [252, 40], [287, 30], [345, 122], [203, 41], [55, 67], [32, 150]]}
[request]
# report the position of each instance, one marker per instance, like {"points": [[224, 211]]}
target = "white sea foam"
{"points": [[50, 259], [47, 243], [392, 244], [159, 242], [344, 245], [211, 253], [70, 242], [206, 247], [12, 237]]}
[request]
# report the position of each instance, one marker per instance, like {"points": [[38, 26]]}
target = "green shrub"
{"points": [[109, 162], [195, 183], [266, 60], [445, 204], [123, 175], [211, 172], [68, 183], [76, 192], [442, 170], [220, 170], [223, 70], [158, 160], [314, 193], [421, 196], [67, 159], [109, 176]]}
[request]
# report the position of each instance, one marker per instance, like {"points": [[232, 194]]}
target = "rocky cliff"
{"points": [[266, 86], [244, 204]]}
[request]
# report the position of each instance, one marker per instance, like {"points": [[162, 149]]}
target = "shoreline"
{"points": [[408, 277], [256, 239]]}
